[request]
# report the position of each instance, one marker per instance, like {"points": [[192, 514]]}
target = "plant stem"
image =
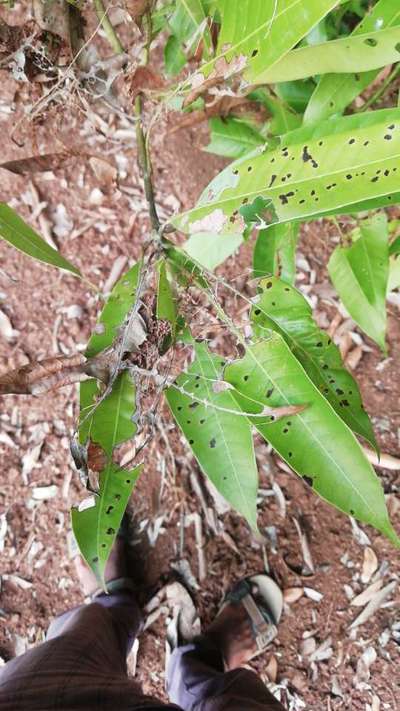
{"points": [[145, 164], [381, 89], [108, 28]]}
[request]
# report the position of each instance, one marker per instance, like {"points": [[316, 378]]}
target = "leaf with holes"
{"points": [[358, 53], [317, 171], [257, 33], [283, 309], [360, 275], [334, 92], [232, 137], [275, 252], [220, 440], [118, 305], [316, 443], [95, 528], [15, 231]]}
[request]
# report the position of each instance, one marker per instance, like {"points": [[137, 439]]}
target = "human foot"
{"points": [[116, 568], [247, 623]]}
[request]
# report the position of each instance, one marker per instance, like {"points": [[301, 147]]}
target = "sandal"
{"points": [[263, 601]]}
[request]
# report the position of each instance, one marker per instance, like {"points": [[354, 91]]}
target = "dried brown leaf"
{"points": [[42, 376]]}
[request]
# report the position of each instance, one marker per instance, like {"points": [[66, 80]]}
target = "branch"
{"points": [[108, 28], [145, 164]]}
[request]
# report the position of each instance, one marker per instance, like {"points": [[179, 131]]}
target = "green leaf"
{"points": [[232, 137], [394, 274], [114, 312], [334, 92], [95, 528], [107, 424], [257, 33], [395, 246], [275, 252], [316, 443], [283, 309], [358, 53], [210, 250], [221, 441], [174, 58], [360, 275], [317, 171], [189, 25], [284, 118], [15, 231], [111, 423], [166, 308]]}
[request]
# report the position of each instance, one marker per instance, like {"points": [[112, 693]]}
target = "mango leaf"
{"points": [[317, 171], [360, 275], [221, 441], [15, 231], [166, 308], [112, 420], [174, 58], [95, 528], [118, 305], [316, 443], [394, 274], [357, 53], [283, 117], [255, 34], [189, 25], [210, 250], [232, 137], [334, 92], [275, 252], [283, 309]]}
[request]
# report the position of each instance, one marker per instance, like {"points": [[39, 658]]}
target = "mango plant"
{"points": [[300, 150]]}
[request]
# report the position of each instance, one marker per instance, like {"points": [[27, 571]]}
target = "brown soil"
{"points": [[53, 314]]}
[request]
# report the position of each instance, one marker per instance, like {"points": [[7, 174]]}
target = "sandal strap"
{"points": [[264, 629], [264, 632]]}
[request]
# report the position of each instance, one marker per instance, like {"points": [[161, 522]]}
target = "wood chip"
{"points": [[271, 669], [42, 493], [292, 595], [367, 594], [313, 594], [373, 605], [353, 357], [6, 329], [385, 461], [370, 565]]}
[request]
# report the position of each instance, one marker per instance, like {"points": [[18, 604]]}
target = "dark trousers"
{"points": [[82, 665]]}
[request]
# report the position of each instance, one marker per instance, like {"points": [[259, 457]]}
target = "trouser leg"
{"points": [[82, 665], [196, 681]]}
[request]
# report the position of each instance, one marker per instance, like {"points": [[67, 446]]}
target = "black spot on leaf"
{"points": [[371, 41], [212, 443], [309, 480]]}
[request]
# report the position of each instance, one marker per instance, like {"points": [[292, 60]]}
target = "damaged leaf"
{"points": [[359, 53], [95, 528], [316, 443], [221, 442], [118, 305], [342, 165], [334, 92], [283, 309]]}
